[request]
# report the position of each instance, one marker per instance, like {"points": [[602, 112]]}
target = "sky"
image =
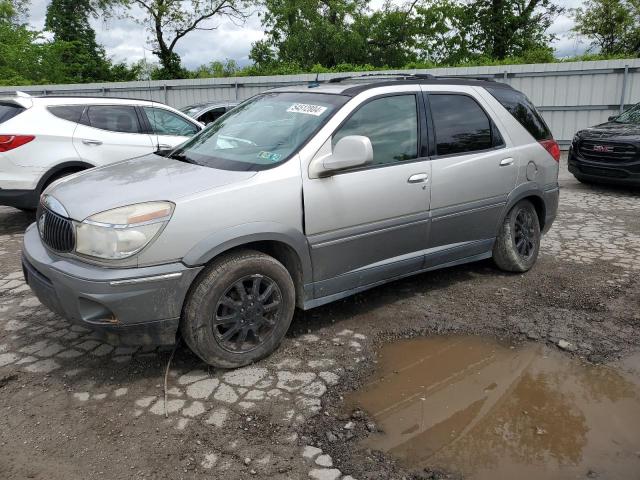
{"points": [[126, 40]]}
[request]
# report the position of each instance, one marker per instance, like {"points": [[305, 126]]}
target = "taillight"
{"points": [[9, 142], [552, 147]]}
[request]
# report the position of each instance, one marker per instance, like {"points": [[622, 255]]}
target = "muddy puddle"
{"points": [[488, 411]]}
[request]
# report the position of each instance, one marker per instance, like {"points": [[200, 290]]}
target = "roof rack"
{"points": [[419, 76], [382, 75]]}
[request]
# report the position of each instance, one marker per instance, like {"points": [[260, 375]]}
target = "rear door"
{"points": [[472, 174], [110, 133], [167, 128]]}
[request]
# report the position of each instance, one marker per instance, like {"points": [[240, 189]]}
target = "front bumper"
{"points": [[131, 306], [604, 171]]}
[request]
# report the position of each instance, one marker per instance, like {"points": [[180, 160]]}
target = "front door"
{"points": [[168, 129], [371, 223], [473, 173]]}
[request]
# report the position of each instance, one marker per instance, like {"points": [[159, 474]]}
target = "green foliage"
{"points": [[613, 26], [168, 21]]}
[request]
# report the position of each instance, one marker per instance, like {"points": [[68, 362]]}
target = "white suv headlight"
{"points": [[122, 232]]}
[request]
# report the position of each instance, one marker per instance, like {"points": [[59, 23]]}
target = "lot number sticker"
{"points": [[307, 109]]}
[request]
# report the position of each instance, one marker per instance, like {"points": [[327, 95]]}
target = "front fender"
{"points": [[232, 237]]}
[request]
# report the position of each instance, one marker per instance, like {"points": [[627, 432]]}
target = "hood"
{"points": [[142, 179], [611, 131]]}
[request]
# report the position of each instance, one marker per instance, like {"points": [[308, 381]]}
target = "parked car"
{"points": [[298, 197], [45, 138], [209, 112], [609, 152]]}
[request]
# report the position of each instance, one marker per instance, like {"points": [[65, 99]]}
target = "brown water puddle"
{"points": [[488, 411]]}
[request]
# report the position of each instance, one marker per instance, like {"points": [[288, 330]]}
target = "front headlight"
{"points": [[122, 232]]}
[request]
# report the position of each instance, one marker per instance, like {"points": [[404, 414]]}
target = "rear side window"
{"points": [[115, 118], [522, 110], [391, 123], [460, 124], [68, 112], [9, 110]]}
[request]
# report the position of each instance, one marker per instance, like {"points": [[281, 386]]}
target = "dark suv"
{"points": [[610, 152]]}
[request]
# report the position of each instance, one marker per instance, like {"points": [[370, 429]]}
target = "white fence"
{"points": [[570, 96]]}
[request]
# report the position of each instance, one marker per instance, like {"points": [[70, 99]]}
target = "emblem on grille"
{"points": [[603, 148]]}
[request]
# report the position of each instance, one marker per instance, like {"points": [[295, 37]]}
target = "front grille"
{"points": [[615, 152], [56, 231]]}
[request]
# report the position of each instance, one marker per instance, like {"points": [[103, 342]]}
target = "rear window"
{"points": [[9, 110], [522, 110], [68, 112]]}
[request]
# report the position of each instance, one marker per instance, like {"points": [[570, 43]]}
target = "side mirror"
{"points": [[612, 117], [350, 151]]}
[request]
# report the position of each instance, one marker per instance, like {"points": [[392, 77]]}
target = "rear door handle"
{"points": [[418, 178], [88, 141], [506, 162]]}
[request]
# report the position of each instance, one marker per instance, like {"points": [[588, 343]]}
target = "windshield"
{"points": [[191, 110], [260, 133], [630, 116]]}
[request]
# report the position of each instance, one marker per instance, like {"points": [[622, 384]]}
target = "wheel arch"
{"points": [[533, 193], [65, 167], [287, 246]]}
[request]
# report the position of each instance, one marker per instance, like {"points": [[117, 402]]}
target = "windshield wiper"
{"points": [[181, 157]]}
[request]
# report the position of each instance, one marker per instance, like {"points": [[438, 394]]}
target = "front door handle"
{"points": [[164, 146], [418, 178], [506, 162], [88, 141]]}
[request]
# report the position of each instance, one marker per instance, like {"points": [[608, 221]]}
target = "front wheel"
{"points": [[518, 242], [239, 309]]}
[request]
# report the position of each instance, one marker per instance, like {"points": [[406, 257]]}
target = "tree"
{"points": [[169, 21], [504, 28], [75, 45], [612, 26], [309, 32]]}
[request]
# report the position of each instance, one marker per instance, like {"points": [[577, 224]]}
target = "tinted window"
{"points": [[212, 115], [9, 110], [164, 122], [68, 112], [391, 123], [522, 110], [460, 124], [116, 118]]}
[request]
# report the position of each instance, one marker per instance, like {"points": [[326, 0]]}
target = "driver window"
{"points": [[391, 123], [164, 122]]}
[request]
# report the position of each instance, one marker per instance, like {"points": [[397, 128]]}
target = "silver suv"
{"points": [[298, 197]]}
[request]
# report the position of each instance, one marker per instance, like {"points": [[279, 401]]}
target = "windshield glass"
{"points": [[262, 132], [630, 116], [192, 109]]}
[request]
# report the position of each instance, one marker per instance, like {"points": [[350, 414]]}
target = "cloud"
{"points": [[127, 40]]}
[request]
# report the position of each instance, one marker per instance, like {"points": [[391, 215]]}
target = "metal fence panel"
{"points": [[570, 96]]}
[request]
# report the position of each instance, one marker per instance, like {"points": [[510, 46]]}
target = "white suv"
{"points": [[45, 138]]}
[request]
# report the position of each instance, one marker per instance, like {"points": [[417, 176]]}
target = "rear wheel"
{"points": [[239, 310], [518, 242]]}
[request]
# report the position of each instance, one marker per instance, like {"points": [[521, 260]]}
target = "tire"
{"points": [[216, 306], [515, 250]]}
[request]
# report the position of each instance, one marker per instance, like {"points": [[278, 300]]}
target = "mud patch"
{"points": [[487, 410]]}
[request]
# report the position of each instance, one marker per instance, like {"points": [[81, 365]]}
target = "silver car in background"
{"points": [[298, 197]]}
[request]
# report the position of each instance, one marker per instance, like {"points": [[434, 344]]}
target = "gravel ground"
{"points": [[73, 407]]}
